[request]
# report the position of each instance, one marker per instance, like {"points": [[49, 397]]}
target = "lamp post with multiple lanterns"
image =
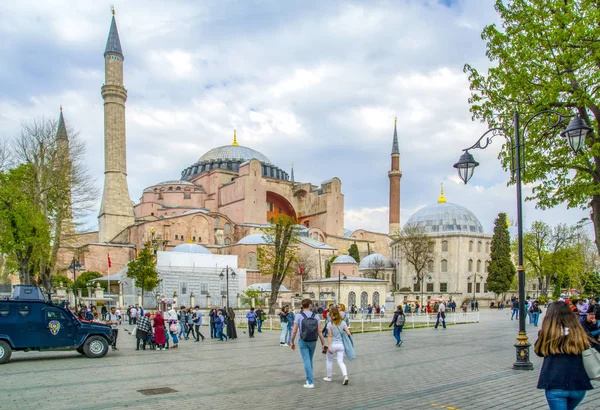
{"points": [[575, 135]]}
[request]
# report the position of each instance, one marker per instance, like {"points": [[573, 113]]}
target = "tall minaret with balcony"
{"points": [[116, 211], [64, 230], [395, 174]]}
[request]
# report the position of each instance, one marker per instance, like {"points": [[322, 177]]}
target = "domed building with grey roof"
{"points": [[458, 270]]}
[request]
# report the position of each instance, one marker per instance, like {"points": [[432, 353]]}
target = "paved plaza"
{"points": [[462, 367]]}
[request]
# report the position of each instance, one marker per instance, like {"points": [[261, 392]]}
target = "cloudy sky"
{"points": [[317, 83]]}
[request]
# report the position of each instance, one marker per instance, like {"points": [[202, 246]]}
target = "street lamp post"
{"points": [[474, 284], [575, 134], [226, 276], [340, 286], [75, 266]]}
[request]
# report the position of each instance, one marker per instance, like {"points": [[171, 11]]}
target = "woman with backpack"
{"points": [[561, 342], [398, 322], [335, 328]]}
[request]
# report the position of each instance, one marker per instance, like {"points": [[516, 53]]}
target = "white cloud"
{"points": [[317, 85]]}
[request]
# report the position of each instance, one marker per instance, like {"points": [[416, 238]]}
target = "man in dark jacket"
{"points": [[213, 317]]}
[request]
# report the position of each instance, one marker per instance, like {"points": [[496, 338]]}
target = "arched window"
{"points": [[487, 263], [478, 266], [251, 261], [479, 246], [333, 271], [351, 299], [376, 298], [470, 246], [444, 246], [444, 265], [487, 247], [227, 241], [217, 223], [227, 229], [470, 265], [353, 272], [364, 300], [430, 266]]}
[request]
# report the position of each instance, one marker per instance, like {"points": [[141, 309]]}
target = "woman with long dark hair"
{"points": [[561, 341]]}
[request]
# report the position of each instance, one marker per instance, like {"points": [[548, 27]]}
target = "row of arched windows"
{"points": [[471, 246], [444, 265]]}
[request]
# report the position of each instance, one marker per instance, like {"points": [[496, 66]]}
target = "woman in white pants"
{"points": [[336, 345]]}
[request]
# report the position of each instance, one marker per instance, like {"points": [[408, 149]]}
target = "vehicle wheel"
{"points": [[5, 352], [95, 347], [80, 350]]}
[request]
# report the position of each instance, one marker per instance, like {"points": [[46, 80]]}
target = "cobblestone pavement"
{"points": [[462, 367]]}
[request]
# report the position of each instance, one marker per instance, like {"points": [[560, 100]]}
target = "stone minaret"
{"points": [[64, 229], [395, 174], [116, 211]]}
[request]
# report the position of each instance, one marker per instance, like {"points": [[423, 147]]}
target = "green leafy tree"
{"points": [[143, 270], [328, 266], [84, 280], [353, 251], [24, 229], [417, 249], [253, 293], [593, 284], [548, 254], [501, 269], [546, 55], [64, 279], [278, 257]]}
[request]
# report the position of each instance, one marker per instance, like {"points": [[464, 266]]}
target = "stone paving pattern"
{"points": [[463, 367]]}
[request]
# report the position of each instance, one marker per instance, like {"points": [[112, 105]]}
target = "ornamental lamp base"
{"points": [[522, 345]]}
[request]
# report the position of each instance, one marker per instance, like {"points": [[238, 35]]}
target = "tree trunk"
{"points": [[595, 217]]}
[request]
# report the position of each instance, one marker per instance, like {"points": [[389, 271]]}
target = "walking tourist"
{"points": [[307, 323], [369, 312], [112, 319], [219, 325], [283, 317], [182, 316], [252, 320], [398, 322], [198, 323], [231, 331], [213, 315], [382, 311], [515, 309], [159, 331], [173, 332], [260, 315], [441, 314], [144, 327], [535, 313], [104, 312], [345, 315], [472, 306], [191, 323], [336, 345], [290, 324], [561, 341]]}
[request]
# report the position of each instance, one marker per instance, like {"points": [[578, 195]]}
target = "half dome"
{"points": [[445, 217], [190, 248]]}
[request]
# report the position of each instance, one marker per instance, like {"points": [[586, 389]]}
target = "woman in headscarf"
{"points": [[231, 332], [159, 331]]}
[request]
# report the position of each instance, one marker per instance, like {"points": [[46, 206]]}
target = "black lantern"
{"points": [[465, 166], [576, 133]]}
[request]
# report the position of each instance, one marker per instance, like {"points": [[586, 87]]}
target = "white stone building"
{"points": [[462, 251]]}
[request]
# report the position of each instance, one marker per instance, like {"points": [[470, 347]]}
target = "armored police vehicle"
{"points": [[30, 322]]}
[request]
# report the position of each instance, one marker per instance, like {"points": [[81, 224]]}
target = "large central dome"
{"points": [[445, 217], [231, 157], [234, 153]]}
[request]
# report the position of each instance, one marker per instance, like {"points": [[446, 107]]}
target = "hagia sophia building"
{"points": [[222, 202]]}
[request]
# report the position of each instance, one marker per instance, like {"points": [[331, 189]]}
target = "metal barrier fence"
{"points": [[376, 323]]}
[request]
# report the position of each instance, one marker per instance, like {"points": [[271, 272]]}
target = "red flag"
{"points": [[301, 269], [109, 264]]}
